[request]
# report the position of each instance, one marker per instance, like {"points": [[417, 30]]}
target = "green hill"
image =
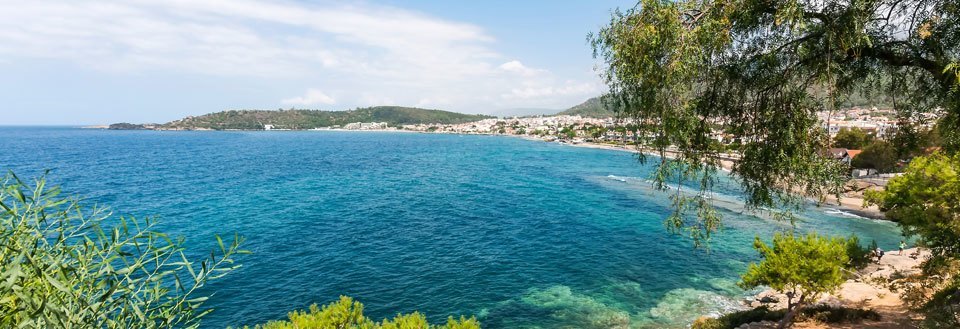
{"points": [[308, 119], [592, 108]]}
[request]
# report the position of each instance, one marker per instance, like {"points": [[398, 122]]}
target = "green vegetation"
{"points": [[309, 119], [592, 108], [879, 155], [752, 68], [853, 139], [126, 126], [348, 314], [63, 265], [819, 313], [802, 267], [925, 201]]}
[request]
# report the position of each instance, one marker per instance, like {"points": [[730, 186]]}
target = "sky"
{"points": [[70, 62]]}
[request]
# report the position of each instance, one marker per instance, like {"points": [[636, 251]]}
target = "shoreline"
{"points": [[851, 205]]}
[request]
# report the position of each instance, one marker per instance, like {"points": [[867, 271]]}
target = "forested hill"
{"points": [[593, 108], [309, 119]]}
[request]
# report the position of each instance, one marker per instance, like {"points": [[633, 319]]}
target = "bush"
{"points": [[859, 256], [736, 319], [943, 309], [819, 313], [66, 266], [347, 313]]}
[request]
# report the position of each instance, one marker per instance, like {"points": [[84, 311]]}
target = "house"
{"points": [[854, 153], [840, 154]]}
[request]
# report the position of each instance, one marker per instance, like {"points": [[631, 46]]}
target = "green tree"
{"points": [[854, 139], [925, 202], [63, 265], [879, 155], [802, 267], [348, 314], [752, 67]]}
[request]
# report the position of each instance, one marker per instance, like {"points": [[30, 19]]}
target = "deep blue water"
{"points": [[523, 234]]}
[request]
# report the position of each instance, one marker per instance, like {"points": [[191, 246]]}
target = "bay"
{"points": [[523, 234]]}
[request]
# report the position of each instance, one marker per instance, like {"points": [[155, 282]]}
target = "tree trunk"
{"points": [[787, 320]]}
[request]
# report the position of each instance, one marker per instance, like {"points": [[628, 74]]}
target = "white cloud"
{"points": [[312, 97], [517, 67], [367, 53]]}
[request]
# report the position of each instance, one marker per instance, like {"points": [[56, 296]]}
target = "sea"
{"points": [[520, 233]]}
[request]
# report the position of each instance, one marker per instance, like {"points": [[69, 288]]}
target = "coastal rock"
{"points": [[758, 325], [768, 299]]}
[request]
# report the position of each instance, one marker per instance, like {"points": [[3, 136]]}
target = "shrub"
{"points": [[347, 313], [820, 313], [63, 265]]}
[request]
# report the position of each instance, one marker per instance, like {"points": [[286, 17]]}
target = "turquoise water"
{"points": [[523, 234]]}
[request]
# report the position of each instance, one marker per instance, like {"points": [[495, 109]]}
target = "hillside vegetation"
{"points": [[592, 108], [308, 119]]}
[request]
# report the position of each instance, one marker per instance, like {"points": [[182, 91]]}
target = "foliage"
{"points": [[752, 68], [802, 267], [859, 256], [591, 108], [925, 201], [347, 313], [63, 265], [943, 308], [736, 319], [879, 155], [819, 313], [308, 119], [853, 139]]}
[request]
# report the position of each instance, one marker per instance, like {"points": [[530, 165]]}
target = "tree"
{"points": [[854, 139], [679, 68], [802, 267], [347, 313], [879, 155], [63, 265], [925, 202]]}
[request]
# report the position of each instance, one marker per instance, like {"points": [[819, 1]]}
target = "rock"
{"points": [[768, 299]]}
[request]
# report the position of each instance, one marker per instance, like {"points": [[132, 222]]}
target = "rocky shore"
{"points": [[873, 288]]}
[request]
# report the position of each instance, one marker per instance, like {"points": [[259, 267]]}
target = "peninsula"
{"points": [[298, 119]]}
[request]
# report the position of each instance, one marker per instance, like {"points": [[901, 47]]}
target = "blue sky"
{"points": [[95, 62]]}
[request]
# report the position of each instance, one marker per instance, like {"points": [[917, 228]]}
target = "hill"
{"points": [[309, 119], [593, 108]]}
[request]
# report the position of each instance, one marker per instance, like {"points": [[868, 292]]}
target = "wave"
{"points": [[838, 212]]}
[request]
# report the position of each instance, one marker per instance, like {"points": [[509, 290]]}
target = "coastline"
{"points": [[851, 205]]}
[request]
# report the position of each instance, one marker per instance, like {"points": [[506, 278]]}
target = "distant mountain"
{"points": [[309, 119], [593, 108], [524, 112]]}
